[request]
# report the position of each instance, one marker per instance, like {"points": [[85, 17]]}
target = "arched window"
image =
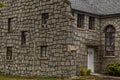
{"points": [[109, 40]]}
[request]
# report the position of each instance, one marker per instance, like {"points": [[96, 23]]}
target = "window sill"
{"points": [[44, 28], [92, 30], [43, 58], [9, 60], [81, 28], [22, 46], [109, 56], [9, 32]]}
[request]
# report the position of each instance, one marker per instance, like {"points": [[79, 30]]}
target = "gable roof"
{"points": [[99, 7]]}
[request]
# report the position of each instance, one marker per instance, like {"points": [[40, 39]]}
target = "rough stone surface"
{"points": [[115, 21], [26, 16], [60, 32]]}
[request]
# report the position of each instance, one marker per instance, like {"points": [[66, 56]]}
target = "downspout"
{"points": [[34, 51], [34, 60], [100, 45]]}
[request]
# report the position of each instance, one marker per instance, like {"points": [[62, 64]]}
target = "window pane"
{"points": [[9, 53], [23, 37], [109, 41], [43, 51], [9, 24], [44, 18], [80, 21], [91, 23]]}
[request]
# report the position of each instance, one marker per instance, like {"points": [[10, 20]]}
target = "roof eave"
{"points": [[84, 12], [98, 15], [110, 15]]}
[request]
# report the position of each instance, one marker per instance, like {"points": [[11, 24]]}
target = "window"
{"points": [[91, 23], [43, 51], [45, 17], [9, 24], [109, 41], [80, 21], [23, 37], [9, 53]]}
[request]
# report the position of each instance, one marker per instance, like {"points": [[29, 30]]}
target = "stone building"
{"points": [[53, 38]]}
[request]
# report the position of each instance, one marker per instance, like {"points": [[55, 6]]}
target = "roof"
{"points": [[99, 7]]}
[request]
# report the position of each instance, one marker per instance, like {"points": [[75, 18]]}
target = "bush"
{"points": [[113, 69], [84, 72], [88, 72]]}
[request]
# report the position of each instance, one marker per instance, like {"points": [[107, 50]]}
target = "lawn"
{"points": [[2, 77]]}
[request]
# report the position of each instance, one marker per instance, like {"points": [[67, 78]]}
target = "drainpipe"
{"points": [[34, 52], [34, 60], [100, 46]]}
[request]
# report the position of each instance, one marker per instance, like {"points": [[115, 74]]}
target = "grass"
{"points": [[91, 77], [4, 77]]}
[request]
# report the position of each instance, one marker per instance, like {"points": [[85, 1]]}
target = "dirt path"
{"points": [[108, 79]]}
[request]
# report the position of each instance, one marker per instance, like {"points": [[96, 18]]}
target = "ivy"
{"points": [[1, 4]]}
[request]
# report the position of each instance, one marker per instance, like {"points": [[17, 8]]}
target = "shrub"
{"points": [[113, 69], [84, 72], [88, 72]]}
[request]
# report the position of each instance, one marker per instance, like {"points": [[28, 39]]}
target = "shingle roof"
{"points": [[99, 7]]}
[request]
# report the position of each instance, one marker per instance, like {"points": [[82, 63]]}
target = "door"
{"points": [[90, 61]]}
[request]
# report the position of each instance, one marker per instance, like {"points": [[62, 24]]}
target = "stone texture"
{"points": [[59, 32], [26, 16], [116, 23]]}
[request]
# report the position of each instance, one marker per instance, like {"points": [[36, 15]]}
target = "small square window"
{"points": [[9, 53], [43, 51]]}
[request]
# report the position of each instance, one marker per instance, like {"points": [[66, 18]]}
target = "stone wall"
{"points": [[85, 38], [26, 16], [115, 21], [58, 35]]}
